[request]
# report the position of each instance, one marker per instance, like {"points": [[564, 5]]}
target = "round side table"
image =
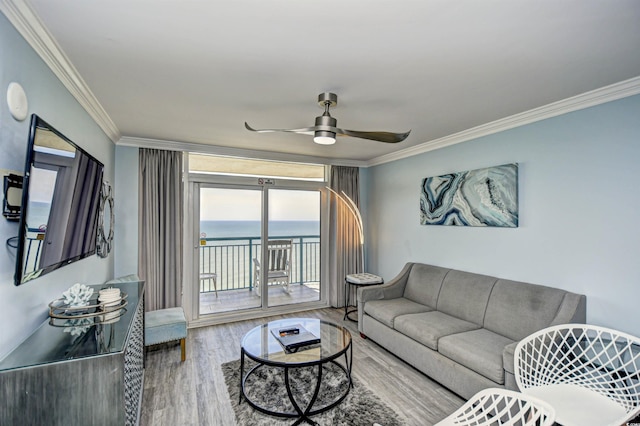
{"points": [[357, 280]]}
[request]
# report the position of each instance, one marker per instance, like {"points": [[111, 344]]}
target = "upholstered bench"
{"points": [[166, 325]]}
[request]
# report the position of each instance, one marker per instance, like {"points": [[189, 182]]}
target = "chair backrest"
{"points": [[600, 359], [279, 254], [501, 407]]}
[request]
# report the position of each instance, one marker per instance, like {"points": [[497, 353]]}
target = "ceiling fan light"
{"points": [[324, 140], [322, 137]]}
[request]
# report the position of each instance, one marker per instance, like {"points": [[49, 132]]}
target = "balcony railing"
{"points": [[231, 259], [33, 249]]}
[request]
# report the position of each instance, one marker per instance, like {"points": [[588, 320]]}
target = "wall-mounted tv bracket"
{"points": [[12, 196]]}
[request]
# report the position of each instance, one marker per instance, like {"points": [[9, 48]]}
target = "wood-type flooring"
{"points": [[194, 392]]}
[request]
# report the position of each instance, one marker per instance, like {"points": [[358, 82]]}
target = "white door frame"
{"points": [[191, 302]]}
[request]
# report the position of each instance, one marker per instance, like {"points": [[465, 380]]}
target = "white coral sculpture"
{"points": [[78, 295]]}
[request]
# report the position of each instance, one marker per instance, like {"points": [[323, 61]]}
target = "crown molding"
{"points": [[595, 97], [233, 152], [29, 25]]}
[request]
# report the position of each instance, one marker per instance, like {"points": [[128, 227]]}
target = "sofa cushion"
{"points": [[518, 309], [428, 327], [386, 311], [465, 295], [423, 284], [479, 350]]}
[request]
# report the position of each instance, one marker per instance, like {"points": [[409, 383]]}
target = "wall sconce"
{"points": [[12, 202], [17, 101]]}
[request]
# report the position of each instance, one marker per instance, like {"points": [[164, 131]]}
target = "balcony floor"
{"points": [[234, 300]]}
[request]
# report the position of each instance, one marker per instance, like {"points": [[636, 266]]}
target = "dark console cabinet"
{"points": [[63, 375]]}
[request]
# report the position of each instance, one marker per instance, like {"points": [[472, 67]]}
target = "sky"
{"points": [[42, 183], [244, 204]]}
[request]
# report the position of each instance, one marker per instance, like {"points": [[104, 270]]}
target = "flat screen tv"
{"points": [[60, 199]]}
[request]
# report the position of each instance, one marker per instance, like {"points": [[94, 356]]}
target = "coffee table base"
{"points": [[302, 414]]}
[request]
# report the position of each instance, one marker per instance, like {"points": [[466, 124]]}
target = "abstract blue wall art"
{"points": [[483, 197]]}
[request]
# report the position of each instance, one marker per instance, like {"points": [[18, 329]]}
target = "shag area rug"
{"points": [[360, 407]]}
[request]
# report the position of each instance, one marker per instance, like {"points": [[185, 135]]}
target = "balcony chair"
{"points": [[588, 374], [211, 277], [279, 264], [501, 407]]}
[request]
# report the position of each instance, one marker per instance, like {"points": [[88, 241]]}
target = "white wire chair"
{"points": [[588, 374], [501, 407]]}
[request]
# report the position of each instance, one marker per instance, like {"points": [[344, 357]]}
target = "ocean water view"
{"points": [[251, 229]]}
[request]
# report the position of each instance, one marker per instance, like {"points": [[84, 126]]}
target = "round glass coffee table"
{"points": [[331, 357]]}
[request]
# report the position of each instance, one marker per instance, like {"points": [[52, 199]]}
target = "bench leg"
{"points": [[183, 349]]}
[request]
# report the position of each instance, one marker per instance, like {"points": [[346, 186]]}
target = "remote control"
{"points": [[288, 331]]}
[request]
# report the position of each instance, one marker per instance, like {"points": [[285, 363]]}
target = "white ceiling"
{"points": [[194, 71]]}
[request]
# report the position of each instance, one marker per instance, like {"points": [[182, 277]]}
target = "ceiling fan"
{"points": [[325, 130]]}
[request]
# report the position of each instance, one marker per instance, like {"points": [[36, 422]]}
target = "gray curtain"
{"points": [[345, 249], [160, 227]]}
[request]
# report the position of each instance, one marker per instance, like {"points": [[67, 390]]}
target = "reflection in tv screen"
{"points": [[60, 203]]}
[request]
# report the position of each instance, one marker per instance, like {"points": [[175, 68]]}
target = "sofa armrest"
{"points": [[508, 355], [573, 309], [380, 291], [389, 290]]}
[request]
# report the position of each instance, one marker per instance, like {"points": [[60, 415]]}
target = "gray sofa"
{"points": [[461, 328]]}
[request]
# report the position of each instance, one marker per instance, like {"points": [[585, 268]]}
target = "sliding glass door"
{"points": [[256, 229], [294, 220], [229, 225], [248, 236]]}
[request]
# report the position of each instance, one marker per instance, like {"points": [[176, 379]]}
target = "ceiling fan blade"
{"points": [[375, 136], [303, 131]]}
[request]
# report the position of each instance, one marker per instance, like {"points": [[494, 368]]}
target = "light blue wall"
{"points": [[579, 210], [126, 192], [23, 308]]}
